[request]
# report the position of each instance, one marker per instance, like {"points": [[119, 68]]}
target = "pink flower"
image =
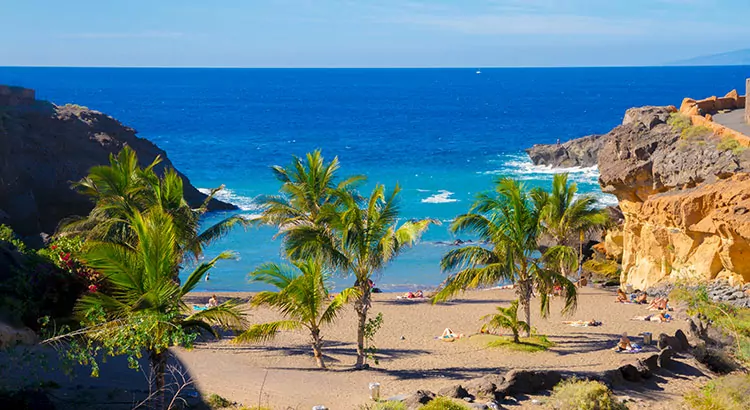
{"points": [[93, 288]]}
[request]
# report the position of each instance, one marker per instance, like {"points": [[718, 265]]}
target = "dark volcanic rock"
{"points": [[580, 152], [645, 156], [418, 398], [43, 147]]}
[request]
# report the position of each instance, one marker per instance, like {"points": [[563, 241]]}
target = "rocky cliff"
{"points": [[686, 202], [581, 152], [43, 147]]}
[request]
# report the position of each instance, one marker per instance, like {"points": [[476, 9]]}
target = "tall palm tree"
{"points": [[370, 238], [123, 189], [567, 218], [309, 195], [508, 220], [506, 318], [143, 306], [302, 298]]}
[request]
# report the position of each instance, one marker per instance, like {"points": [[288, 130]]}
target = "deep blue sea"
{"points": [[442, 134]]}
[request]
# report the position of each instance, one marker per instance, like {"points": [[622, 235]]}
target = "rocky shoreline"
{"points": [[46, 147]]}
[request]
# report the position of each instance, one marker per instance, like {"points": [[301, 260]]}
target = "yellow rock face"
{"points": [[696, 234]]}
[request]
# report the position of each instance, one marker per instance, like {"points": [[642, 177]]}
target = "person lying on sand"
{"points": [[660, 317], [659, 304], [621, 297], [412, 295], [642, 298], [582, 323], [449, 336]]}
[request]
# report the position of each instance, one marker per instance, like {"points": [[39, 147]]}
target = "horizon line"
{"points": [[370, 68]]}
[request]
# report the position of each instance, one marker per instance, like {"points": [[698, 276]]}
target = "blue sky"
{"points": [[368, 33]]}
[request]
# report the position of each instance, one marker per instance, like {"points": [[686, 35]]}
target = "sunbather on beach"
{"points": [[212, 302], [449, 336], [583, 323], [660, 317], [624, 344], [621, 297], [642, 298], [659, 304]]}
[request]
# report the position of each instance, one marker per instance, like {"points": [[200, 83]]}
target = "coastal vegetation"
{"points": [[531, 344], [510, 221], [576, 394], [567, 217], [727, 319], [302, 298], [137, 237], [444, 403], [322, 218], [143, 308], [730, 392], [506, 318]]}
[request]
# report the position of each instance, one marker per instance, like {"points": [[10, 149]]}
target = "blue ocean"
{"points": [[441, 134]]}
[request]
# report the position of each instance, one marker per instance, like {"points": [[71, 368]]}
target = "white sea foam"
{"points": [[520, 167], [442, 197], [245, 203], [423, 190]]}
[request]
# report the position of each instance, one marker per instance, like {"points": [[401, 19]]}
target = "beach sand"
{"points": [[410, 357]]}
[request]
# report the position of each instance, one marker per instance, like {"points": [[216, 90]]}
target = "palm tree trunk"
{"points": [[158, 362], [362, 306], [580, 256], [525, 299], [317, 348], [515, 336]]}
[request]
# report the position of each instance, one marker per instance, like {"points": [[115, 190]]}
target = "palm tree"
{"points": [[302, 298], [370, 238], [566, 215], [506, 318], [143, 307], [508, 220], [309, 196], [123, 188]]}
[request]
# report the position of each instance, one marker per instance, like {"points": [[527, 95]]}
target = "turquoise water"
{"points": [[442, 134]]}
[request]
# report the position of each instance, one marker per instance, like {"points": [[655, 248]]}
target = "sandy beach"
{"points": [[410, 356]]}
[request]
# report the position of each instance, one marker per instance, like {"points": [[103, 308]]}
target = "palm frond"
{"points": [[265, 332]]}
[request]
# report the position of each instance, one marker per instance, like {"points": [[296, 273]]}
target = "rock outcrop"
{"points": [[686, 203], [43, 147], [581, 152]]}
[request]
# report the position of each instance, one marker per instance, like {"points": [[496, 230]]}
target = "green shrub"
{"points": [[606, 268], [679, 122], [731, 144], [731, 392], [727, 318], [444, 403], [695, 133], [217, 402], [7, 235], [575, 394], [385, 405]]}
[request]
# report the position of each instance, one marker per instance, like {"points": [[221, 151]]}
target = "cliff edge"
{"points": [[43, 147], [685, 198]]}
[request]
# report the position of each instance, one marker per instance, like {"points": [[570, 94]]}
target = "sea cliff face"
{"points": [[686, 202], [44, 147]]}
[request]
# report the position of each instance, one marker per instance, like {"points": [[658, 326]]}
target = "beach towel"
{"points": [[634, 349], [199, 308]]}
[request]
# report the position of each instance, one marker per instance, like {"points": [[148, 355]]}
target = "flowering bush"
{"points": [[64, 253]]}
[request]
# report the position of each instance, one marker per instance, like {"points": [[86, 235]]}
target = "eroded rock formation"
{"points": [[581, 152], [686, 203], [43, 147]]}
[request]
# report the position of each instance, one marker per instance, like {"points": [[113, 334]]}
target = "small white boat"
{"points": [[479, 71]]}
